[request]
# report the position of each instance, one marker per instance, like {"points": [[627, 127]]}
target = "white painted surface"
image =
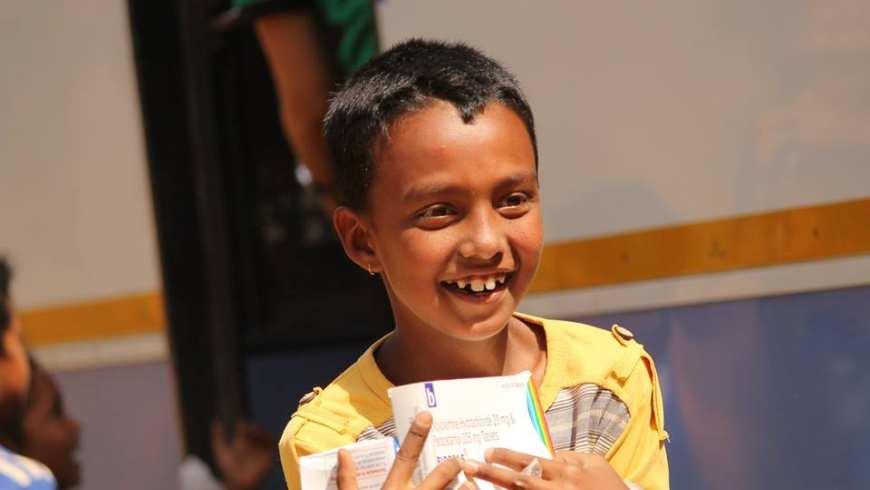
{"points": [[659, 113], [75, 208], [707, 288], [113, 351]]}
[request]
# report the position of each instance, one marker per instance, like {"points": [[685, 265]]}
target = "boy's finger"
{"points": [[406, 459], [346, 478], [515, 460], [506, 457], [504, 477], [218, 440], [216, 430], [442, 475]]}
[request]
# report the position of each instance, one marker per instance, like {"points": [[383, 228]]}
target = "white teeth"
{"points": [[480, 284]]}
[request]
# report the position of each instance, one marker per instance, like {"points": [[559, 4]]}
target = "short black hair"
{"points": [[406, 78], [5, 302]]}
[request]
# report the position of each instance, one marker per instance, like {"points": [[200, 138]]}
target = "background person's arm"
{"points": [[301, 75]]}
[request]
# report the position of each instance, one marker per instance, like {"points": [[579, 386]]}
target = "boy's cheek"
{"points": [[530, 240]]}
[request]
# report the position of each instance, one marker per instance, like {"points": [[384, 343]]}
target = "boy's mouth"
{"points": [[479, 285]]}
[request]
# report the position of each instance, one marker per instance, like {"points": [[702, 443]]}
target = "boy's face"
{"points": [[454, 219]]}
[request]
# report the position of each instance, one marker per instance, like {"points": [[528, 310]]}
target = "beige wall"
{"points": [[76, 221], [75, 212]]}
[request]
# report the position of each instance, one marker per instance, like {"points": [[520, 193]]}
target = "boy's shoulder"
{"points": [[335, 416], [597, 343], [350, 404], [614, 359], [588, 354]]}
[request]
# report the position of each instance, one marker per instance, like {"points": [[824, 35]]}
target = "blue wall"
{"points": [[129, 427], [767, 393]]}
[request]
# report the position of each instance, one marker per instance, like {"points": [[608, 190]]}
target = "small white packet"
{"points": [[471, 415], [373, 462]]}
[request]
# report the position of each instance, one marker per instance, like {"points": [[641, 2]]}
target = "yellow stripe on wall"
{"points": [[774, 238], [94, 320]]}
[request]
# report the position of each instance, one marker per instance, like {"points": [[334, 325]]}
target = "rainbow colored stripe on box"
{"points": [[536, 413]]}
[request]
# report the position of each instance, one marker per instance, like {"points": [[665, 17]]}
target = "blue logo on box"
{"points": [[430, 395]]}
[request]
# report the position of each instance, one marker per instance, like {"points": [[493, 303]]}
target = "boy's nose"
{"points": [[484, 240]]}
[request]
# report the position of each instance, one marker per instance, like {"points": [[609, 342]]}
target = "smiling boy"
{"points": [[436, 159]]}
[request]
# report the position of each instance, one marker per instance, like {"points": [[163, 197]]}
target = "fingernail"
{"points": [[424, 419], [488, 454], [470, 467]]}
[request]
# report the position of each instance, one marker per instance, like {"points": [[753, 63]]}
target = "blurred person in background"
{"points": [[244, 460], [310, 46], [38, 440], [45, 432], [16, 471]]}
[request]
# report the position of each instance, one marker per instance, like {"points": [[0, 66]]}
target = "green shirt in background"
{"points": [[350, 23]]}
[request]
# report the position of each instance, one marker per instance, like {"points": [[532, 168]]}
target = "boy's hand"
{"points": [[405, 463], [568, 470], [245, 458]]}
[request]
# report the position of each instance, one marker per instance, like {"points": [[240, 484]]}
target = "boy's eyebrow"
{"points": [[426, 190], [439, 189], [518, 178]]}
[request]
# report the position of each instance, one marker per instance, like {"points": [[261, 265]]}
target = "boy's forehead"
{"points": [[441, 118], [424, 143]]}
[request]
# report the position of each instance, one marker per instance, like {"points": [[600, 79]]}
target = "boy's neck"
{"points": [[517, 347]]}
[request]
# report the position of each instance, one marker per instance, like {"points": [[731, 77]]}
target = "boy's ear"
{"points": [[355, 234]]}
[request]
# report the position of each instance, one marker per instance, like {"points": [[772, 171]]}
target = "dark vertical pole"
{"points": [[197, 50], [155, 29], [171, 53], [214, 150]]}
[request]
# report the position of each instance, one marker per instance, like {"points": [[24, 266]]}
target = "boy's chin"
{"points": [[477, 327]]}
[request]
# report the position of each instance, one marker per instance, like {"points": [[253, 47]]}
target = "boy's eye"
{"points": [[436, 216], [515, 204], [515, 199], [436, 211]]}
